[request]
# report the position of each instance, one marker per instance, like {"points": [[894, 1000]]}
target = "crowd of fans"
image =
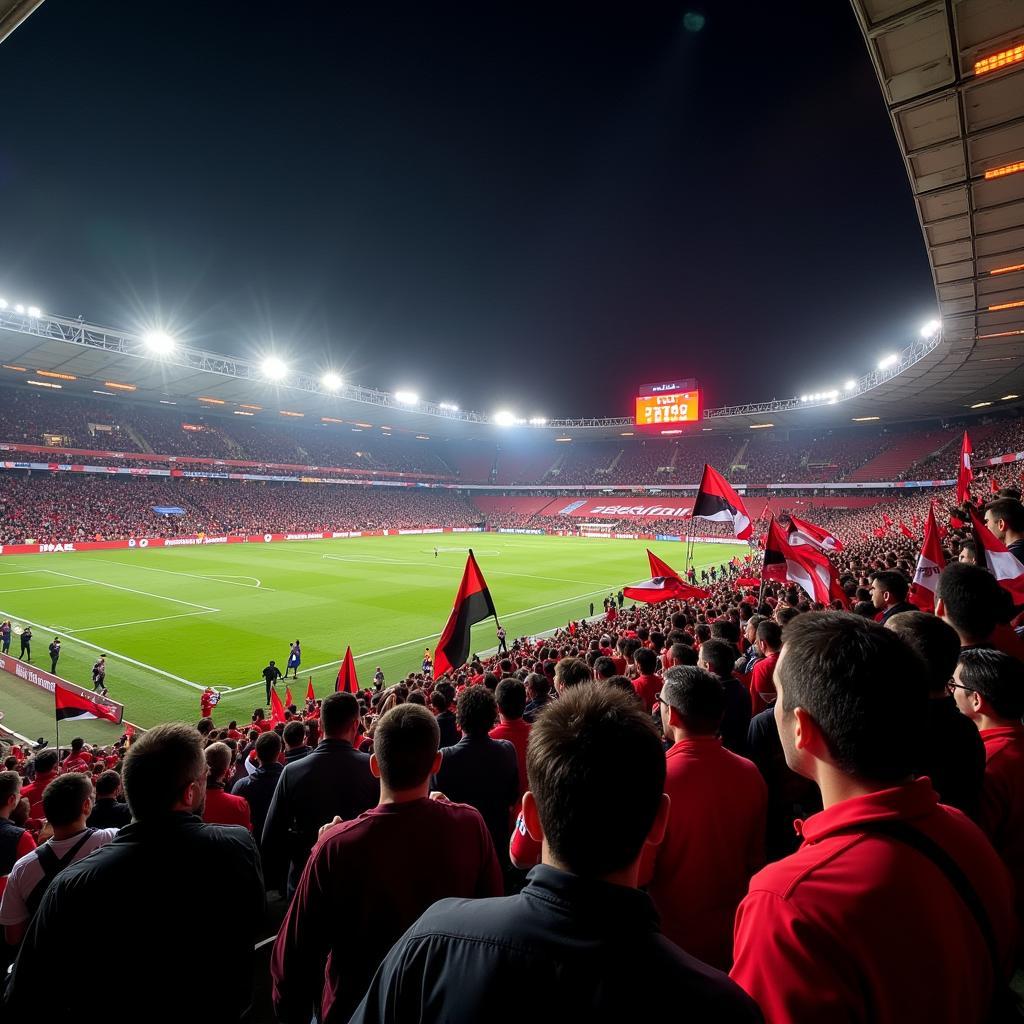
{"points": [[747, 806]]}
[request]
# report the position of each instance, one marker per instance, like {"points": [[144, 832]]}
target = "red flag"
{"points": [[929, 567], [310, 695], [472, 604], [915, 521], [803, 532], [718, 502], [886, 521], [965, 474], [801, 564], [276, 708], [129, 734], [879, 532], [956, 522], [907, 531], [665, 585], [287, 696], [999, 560], [347, 681], [70, 704], [993, 484]]}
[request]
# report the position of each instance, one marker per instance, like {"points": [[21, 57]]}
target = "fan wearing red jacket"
{"points": [[221, 807]]}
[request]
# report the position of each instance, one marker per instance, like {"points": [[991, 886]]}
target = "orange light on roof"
{"points": [[1007, 270], [258, 408], [17, 369], [1001, 172], [365, 426], [57, 376], [330, 419], [1002, 59], [1006, 305], [119, 387], [761, 426], [212, 401], [286, 412]]}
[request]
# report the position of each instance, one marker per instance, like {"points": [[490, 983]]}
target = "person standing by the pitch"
{"points": [[502, 645], [271, 674], [99, 675], [54, 650], [294, 660], [26, 645], [5, 636]]}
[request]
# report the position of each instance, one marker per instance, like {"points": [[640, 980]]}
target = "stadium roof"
{"points": [[952, 76]]}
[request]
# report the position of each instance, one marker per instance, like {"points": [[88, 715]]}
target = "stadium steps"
{"points": [[136, 436], [614, 462], [949, 453], [737, 459], [895, 460]]}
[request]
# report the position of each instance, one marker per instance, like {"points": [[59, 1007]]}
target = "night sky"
{"points": [[532, 206]]}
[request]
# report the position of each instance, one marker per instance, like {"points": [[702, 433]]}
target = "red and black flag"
{"points": [[473, 604], [800, 564], [665, 585], [68, 705], [347, 681], [717, 501]]}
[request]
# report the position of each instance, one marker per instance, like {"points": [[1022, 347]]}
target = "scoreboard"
{"points": [[668, 403]]}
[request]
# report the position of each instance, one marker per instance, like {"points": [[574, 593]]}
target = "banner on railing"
{"points": [[47, 681]]}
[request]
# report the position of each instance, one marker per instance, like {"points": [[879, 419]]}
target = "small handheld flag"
{"points": [[965, 474], [347, 681], [276, 708], [999, 560], [473, 604], [310, 695], [665, 585]]}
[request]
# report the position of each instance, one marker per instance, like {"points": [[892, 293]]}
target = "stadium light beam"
{"points": [[504, 418], [931, 328], [35, 312], [331, 381], [3, 303], [448, 406], [160, 343], [274, 368], [407, 397], [850, 385], [890, 360]]}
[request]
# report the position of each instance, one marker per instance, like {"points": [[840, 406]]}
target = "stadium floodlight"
{"points": [[504, 418], [160, 343], [833, 394], [274, 368], [331, 381], [538, 421], [448, 406], [850, 385], [931, 328], [890, 360], [407, 397], [803, 398], [35, 312], [19, 308], [3, 303]]}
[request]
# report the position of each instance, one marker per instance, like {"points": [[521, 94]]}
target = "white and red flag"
{"points": [[803, 532], [965, 474], [717, 501], [999, 560], [665, 585], [930, 564], [801, 564]]}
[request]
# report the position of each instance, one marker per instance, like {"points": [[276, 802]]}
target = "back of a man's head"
{"points": [[268, 746], [719, 657], [570, 672], [10, 785], [218, 760], [682, 654], [604, 668], [338, 713], [294, 735], [935, 641], [511, 698], [405, 744], [538, 686], [476, 711], [697, 696], [770, 634], [865, 689], [46, 761], [64, 798], [970, 599], [159, 767], [107, 785], [997, 677], [596, 770], [1009, 510], [646, 660]]}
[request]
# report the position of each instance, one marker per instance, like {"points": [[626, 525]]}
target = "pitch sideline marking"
{"points": [[133, 622], [132, 590], [103, 650]]}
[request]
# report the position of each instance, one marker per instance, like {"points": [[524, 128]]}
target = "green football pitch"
{"points": [[174, 620]]}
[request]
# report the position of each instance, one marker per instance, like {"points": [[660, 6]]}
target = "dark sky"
{"points": [[538, 206]]}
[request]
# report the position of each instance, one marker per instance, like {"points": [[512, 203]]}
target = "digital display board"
{"points": [[668, 403]]}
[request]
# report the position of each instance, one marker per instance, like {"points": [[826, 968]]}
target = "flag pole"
{"points": [[760, 592]]}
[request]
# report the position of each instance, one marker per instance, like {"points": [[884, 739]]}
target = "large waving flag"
{"points": [[965, 474], [929, 567], [717, 501], [665, 585], [276, 709], [999, 560], [347, 681], [803, 532], [473, 604], [801, 564], [68, 705]]}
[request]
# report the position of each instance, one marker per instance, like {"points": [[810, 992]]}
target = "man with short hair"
{"points": [[46, 768], [950, 752], [99, 675], [648, 682], [221, 807], [360, 889], [988, 687], [510, 697], [107, 810], [163, 861], [54, 651], [271, 674], [862, 923], [768, 642], [68, 803], [481, 771], [258, 788], [889, 589], [15, 842], [333, 780], [714, 840], [295, 746], [1005, 518], [538, 689], [570, 672], [970, 599], [718, 658], [581, 936], [445, 718]]}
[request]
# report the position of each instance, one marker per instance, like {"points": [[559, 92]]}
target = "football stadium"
{"points": [[413, 550]]}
